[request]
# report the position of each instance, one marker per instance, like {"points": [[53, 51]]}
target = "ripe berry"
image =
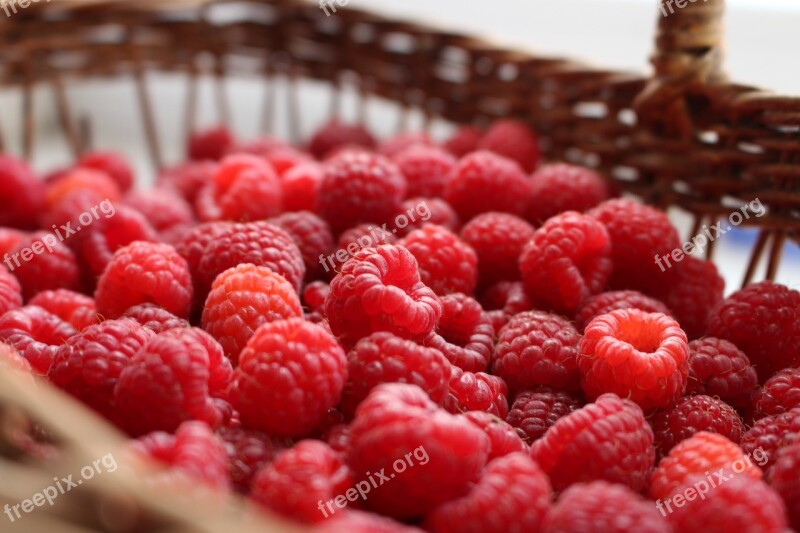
{"points": [[163, 208], [401, 142], [336, 134], [187, 179], [476, 391], [463, 141], [514, 140], [769, 434], [301, 186], [604, 303], [154, 318], [23, 195], [355, 239], [779, 394], [498, 239], [46, 264], [503, 300], [446, 263], [783, 479], [248, 451], [243, 188], [10, 292], [638, 355], [417, 213], [314, 296], [113, 164], [503, 438], [718, 368], [696, 288], [426, 168], [35, 334], [690, 415], [11, 361], [535, 411], [464, 333], [212, 144], [311, 234], [73, 307], [561, 187]]}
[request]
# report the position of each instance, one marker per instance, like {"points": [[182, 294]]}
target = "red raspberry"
{"points": [[783, 479], [514, 140], [605, 302], [762, 320], [696, 289], [379, 289], [313, 238], [779, 394], [386, 358], [635, 354], [290, 373], [301, 186], [537, 348], [261, 146], [336, 134], [35, 334], [718, 368], [503, 300], [243, 188], [769, 434], [187, 179], [163, 208], [244, 298], [464, 333], [608, 440], [41, 263], [314, 295], [193, 451], [446, 263], [693, 414], [22, 194], [355, 239], [567, 261], [398, 423], [145, 272], [11, 361], [248, 451], [740, 504], [401, 142], [113, 164], [463, 141], [10, 292], [515, 480], [426, 168], [73, 307], [179, 375], [601, 507], [212, 143], [503, 438], [360, 187], [535, 411], [9, 239], [193, 247], [311, 469], [640, 237], [419, 212], [498, 239], [484, 182], [79, 189], [561, 187], [259, 243], [476, 391], [154, 318], [285, 158], [701, 453], [89, 364], [362, 522]]}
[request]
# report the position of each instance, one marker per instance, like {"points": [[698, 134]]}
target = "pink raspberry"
{"points": [[718, 368], [514, 140], [503, 300], [446, 263], [503, 438], [248, 451], [212, 143], [113, 164], [145, 272], [606, 440], [178, 375], [535, 411], [464, 333], [498, 239], [484, 182], [290, 373], [417, 213], [301, 186], [398, 423], [783, 479], [43, 263], [163, 208], [463, 141], [35, 334], [604, 303], [567, 261], [637, 355], [692, 414], [336, 134], [10, 292], [426, 168], [379, 289], [73, 307], [154, 318], [187, 179], [779, 394], [23, 195], [311, 234], [476, 391], [561, 187], [243, 188], [696, 289], [771, 433], [401, 142]]}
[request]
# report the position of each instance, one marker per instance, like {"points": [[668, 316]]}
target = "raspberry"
{"points": [[187, 179], [113, 164], [503, 438], [178, 375], [242, 299], [484, 182], [163, 208], [464, 333], [301, 186], [261, 146], [762, 320], [401, 142], [360, 187], [641, 236], [248, 451], [22, 194], [516, 481], [605, 440], [503, 300], [78, 190], [193, 451], [285, 158], [311, 234], [702, 452], [567, 261], [696, 289], [379, 289], [11, 361], [561, 187], [10, 292], [463, 141], [514, 140], [769, 434], [476, 391], [601, 507], [310, 468], [692, 414], [718, 368], [779, 394], [243, 188], [336, 134], [46, 264], [426, 168], [212, 143], [386, 358], [783, 479], [398, 420], [498, 239], [35, 334], [154, 318], [446, 263], [73, 307], [606, 302], [259, 243], [355, 239], [535, 411], [9, 239], [290, 373], [423, 211], [314, 295], [193, 246], [537, 348], [88, 366], [363, 522], [635, 354], [144, 272]]}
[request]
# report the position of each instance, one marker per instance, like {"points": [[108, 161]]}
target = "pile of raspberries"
{"points": [[506, 336]]}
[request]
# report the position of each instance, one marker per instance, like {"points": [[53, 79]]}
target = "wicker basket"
{"points": [[682, 137]]}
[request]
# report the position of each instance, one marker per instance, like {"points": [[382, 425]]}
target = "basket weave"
{"points": [[683, 137]]}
